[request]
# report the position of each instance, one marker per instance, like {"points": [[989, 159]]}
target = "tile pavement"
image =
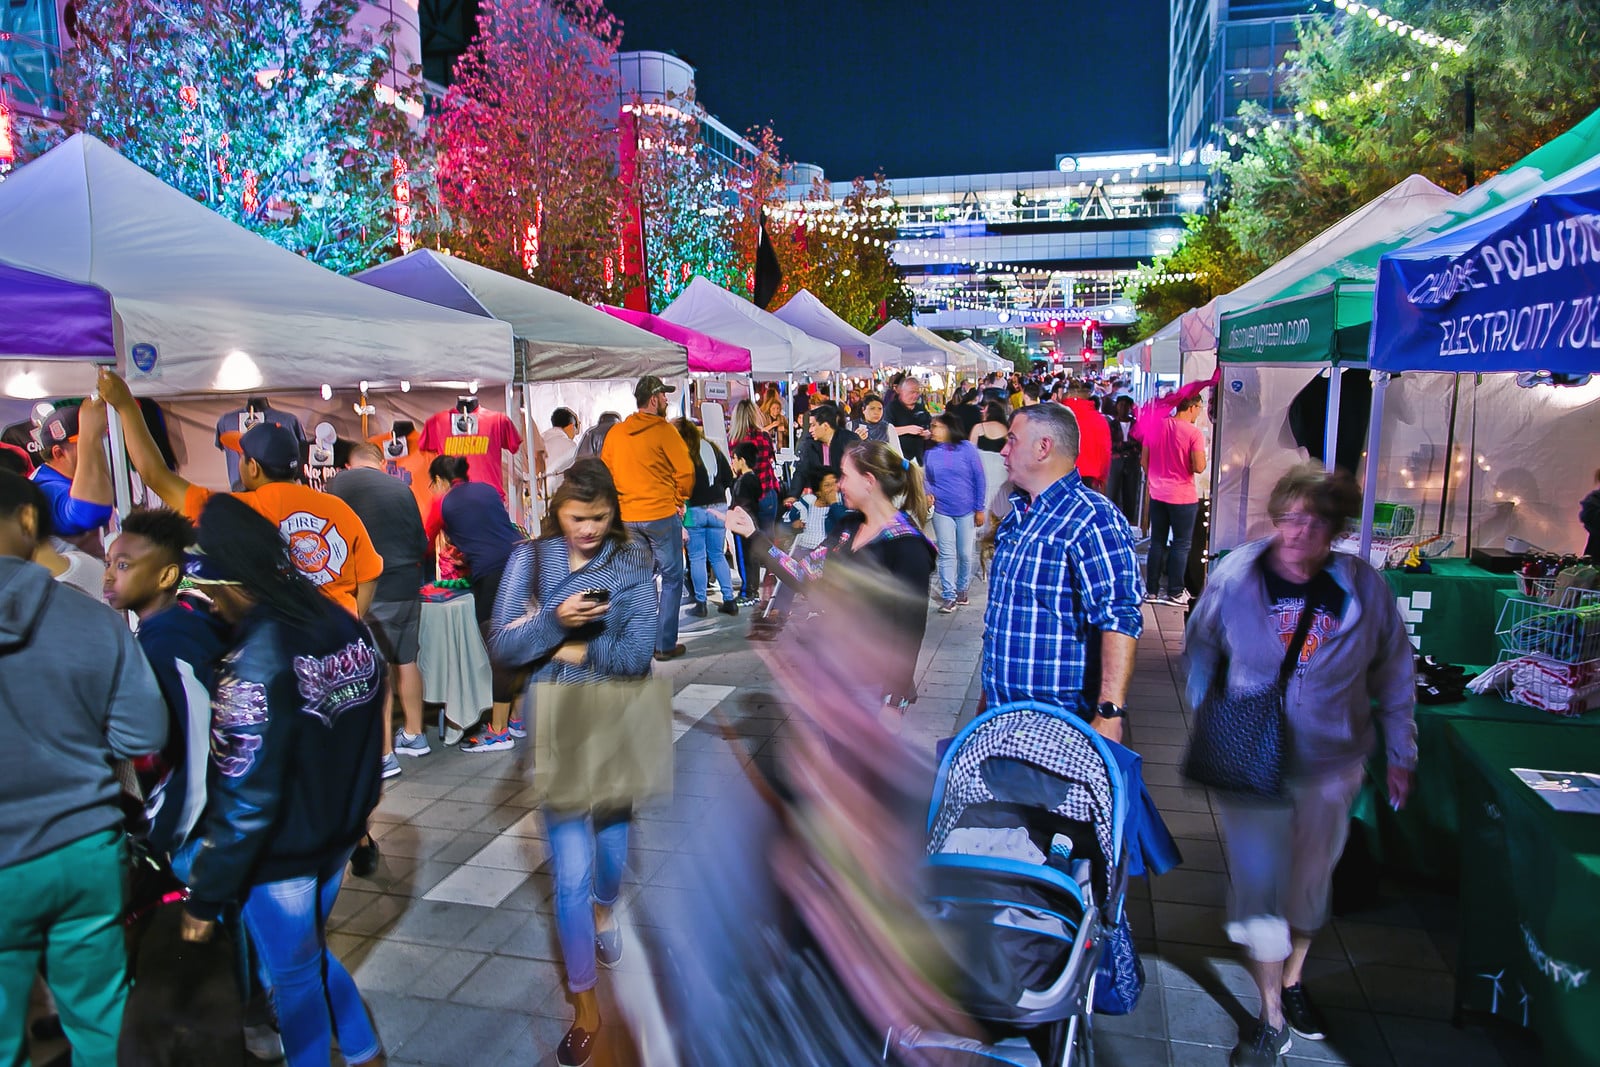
{"points": [[453, 941]]}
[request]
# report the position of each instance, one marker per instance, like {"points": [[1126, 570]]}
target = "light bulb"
{"points": [[405, 386], [327, 392]]}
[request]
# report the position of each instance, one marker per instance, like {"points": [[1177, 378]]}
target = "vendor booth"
{"points": [[52, 334], [857, 351], [915, 348], [777, 349]]}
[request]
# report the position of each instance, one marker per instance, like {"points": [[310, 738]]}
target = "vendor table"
{"points": [[454, 665], [1423, 839], [1451, 612], [1530, 883]]}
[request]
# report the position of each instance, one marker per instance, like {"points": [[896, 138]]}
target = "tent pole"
{"points": [[1472, 467], [1449, 453], [1330, 430], [121, 485], [1369, 491]]}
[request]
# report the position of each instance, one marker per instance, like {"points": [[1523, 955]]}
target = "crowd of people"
{"points": [[242, 730]]}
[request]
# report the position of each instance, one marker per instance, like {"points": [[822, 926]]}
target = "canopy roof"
{"points": [[775, 346], [916, 350], [856, 350], [987, 359], [1408, 203], [1338, 296], [559, 339], [1160, 353], [52, 333], [207, 306], [707, 355], [1512, 290], [955, 355]]}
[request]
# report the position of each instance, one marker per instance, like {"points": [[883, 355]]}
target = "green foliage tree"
{"points": [[853, 274], [1008, 347], [1207, 262], [274, 114]]}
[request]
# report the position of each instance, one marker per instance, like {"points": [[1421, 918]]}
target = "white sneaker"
{"points": [[1182, 600], [391, 766], [263, 1043], [411, 744]]}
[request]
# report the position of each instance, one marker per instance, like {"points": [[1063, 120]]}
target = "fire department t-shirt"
{"points": [[327, 542], [481, 450], [1286, 599]]}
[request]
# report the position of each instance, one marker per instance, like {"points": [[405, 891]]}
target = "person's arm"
{"points": [[625, 644], [1197, 454], [91, 483], [365, 591], [136, 721], [171, 487], [521, 630], [1111, 591]]}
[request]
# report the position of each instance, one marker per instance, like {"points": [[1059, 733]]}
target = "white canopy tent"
{"points": [[857, 351], [777, 349], [987, 360], [915, 349], [205, 306]]}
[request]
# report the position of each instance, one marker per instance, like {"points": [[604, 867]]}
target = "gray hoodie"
{"points": [[1366, 662], [75, 694]]}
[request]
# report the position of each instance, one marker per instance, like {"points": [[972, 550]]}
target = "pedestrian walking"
{"points": [[1176, 452], [957, 490], [706, 520]]}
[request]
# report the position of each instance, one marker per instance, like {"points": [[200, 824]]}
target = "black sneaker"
{"points": [[1302, 1015], [1260, 1046]]}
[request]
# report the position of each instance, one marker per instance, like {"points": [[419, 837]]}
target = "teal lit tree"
{"points": [[277, 115]]}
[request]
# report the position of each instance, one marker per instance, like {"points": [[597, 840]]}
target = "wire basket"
{"points": [[1540, 589], [1568, 632], [1566, 689]]}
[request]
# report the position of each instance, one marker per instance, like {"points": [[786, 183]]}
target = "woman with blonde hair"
{"points": [[868, 579]]}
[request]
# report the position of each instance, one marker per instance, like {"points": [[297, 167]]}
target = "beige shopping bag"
{"points": [[602, 744]]}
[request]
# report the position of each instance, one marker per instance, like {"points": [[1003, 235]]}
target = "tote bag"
{"points": [[603, 744]]}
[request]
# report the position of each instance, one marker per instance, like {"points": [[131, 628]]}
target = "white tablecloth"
{"points": [[454, 665]]}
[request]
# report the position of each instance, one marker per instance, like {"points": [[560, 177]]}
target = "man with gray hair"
{"points": [[1064, 615]]}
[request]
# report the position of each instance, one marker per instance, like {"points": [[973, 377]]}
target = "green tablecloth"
{"points": [[1422, 840], [1451, 613], [1530, 887]]}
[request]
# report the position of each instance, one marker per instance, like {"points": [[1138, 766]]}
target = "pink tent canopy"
{"points": [[707, 355]]}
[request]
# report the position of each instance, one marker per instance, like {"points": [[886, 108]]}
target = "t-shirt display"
{"points": [[393, 524], [478, 436], [1287, 599], [235, 421], [411, 465]]}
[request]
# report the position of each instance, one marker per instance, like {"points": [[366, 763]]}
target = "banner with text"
{"points": [[1287, 331]]}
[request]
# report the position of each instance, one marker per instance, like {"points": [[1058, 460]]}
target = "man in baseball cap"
{"points": [[648, 389], [76, 482]]}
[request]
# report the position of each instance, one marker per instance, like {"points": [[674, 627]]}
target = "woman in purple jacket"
{"points": [[956, 486]]}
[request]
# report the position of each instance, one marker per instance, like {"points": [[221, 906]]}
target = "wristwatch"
{"points": [[1109, 710]]}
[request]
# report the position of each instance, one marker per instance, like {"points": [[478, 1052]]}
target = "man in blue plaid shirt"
{"points": [[1064, 587]]}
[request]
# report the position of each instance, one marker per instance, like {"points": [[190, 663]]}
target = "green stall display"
{"points": [[1451, 613], [1530, 886]]}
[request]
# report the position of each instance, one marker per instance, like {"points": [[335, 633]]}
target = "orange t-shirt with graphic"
{"points": [[411, 468], [327, 542]]}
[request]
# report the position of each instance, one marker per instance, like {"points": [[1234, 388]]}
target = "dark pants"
{"points": [[1177, 520], [485, 588], [1125, 485]]}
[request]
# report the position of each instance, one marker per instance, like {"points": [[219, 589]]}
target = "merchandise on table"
{"points": [[1564, 790], [1568, 633], [1568, 689]]}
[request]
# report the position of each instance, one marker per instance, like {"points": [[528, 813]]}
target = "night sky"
{"points": [[919, 89]]}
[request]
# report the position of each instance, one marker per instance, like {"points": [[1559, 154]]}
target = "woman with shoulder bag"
{"points": [[1323, 627], [578, 607]]}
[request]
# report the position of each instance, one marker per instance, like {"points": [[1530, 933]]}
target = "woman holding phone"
{"points": [[576, 607]]}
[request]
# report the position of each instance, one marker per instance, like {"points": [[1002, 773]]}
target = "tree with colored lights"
{"points": [[1374, 106], [283, 118], [527, 136], [1206, 263], [845, 256]]}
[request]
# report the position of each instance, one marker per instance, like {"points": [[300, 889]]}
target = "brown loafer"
{"points": [[576, 1049]]}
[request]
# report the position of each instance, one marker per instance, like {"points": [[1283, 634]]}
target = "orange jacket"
{"points": [[651, 466]]}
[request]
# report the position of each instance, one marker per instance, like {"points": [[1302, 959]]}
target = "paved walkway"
{"points": [[453, 941]]}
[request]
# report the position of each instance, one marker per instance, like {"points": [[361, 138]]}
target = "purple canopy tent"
{"points": [[707, 354], [45, 317]]}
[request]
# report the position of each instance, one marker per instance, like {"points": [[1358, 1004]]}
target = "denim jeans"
{"points": [[286, 922], [665, 538], [1178, 520], [587, 854], [957, 540], [707, 534]]}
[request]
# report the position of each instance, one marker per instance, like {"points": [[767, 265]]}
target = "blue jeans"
{"points": [[1177, 519], [314, 995], [956, 537], [707, 533], [665, 538], [587, 854]]}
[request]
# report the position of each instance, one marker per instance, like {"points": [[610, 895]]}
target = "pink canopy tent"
{"points": [[707, 354]]}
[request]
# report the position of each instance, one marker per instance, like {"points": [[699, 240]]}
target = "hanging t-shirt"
{"points": [[481, 450], [327, 541], [411, 468], [1287, 599], [229, 423]]}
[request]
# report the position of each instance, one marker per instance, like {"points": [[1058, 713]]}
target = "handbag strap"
{"points": [[1301, 630]]}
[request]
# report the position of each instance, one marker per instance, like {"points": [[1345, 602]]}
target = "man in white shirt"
{"points": [[560, 446]]}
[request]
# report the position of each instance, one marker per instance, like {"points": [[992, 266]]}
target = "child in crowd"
{"points": [[746, 494]]}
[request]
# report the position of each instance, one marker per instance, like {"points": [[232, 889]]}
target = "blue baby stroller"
{"points": [[1026, 875]]}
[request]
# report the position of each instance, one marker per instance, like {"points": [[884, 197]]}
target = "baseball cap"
{"points": [[59, 428], [201, 569], [274, 447], [649, 386]]}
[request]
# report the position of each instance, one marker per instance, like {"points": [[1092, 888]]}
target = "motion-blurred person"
{"points": [[67, 716], [1063, 620], [1353, 667], [1176, 452], [1125, 484], [472, 515], [1094, 435], [708, 503], [578, 607], [876, 565], [297, 724], [956, 486]]}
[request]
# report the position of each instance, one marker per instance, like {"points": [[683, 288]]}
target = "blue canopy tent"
{"points": [[1514, 291]]}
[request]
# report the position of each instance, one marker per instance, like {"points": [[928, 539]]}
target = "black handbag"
{"points": [[1240, 740]]}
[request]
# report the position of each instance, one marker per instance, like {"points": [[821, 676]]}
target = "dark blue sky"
{"points": [[927, 88]]}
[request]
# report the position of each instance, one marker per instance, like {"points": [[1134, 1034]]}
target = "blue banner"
{"points": [[1518, 290]]}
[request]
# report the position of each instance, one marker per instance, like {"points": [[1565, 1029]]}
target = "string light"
{"points": [[1401, 29]]}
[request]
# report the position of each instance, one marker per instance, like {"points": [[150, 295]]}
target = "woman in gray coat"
{"points": [[1354, 677]]}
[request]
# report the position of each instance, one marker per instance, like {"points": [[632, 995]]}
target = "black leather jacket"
{"points": [[296, 754]]}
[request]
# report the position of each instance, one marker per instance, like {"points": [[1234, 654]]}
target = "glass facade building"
{"points": [[30, 54], [1223, 53]]}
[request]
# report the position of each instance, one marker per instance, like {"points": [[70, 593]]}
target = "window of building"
{"points": [[30, 54]]}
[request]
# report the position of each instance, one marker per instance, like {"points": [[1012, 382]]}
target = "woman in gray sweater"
{"points": [[1354, 668]]}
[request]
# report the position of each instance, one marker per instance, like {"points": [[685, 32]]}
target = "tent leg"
{"points": [[1330, 431], [1369, 492], [121, 483]]}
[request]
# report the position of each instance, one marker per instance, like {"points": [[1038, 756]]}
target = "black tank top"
{"points": [[991, 444]]}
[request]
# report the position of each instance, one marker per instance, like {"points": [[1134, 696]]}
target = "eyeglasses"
{"points": [[1299, 520]]}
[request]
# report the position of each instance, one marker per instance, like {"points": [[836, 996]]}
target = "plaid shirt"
{"points": [[766, 467], [1063, 566]]}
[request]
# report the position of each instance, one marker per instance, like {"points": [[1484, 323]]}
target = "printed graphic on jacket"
{"points": [[331, 685], [238, 704]]}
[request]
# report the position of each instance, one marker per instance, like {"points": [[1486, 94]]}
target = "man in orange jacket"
{"points": [[654, 475]]}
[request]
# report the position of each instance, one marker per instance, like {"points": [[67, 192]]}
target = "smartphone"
{"points": [[597, 596]]}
